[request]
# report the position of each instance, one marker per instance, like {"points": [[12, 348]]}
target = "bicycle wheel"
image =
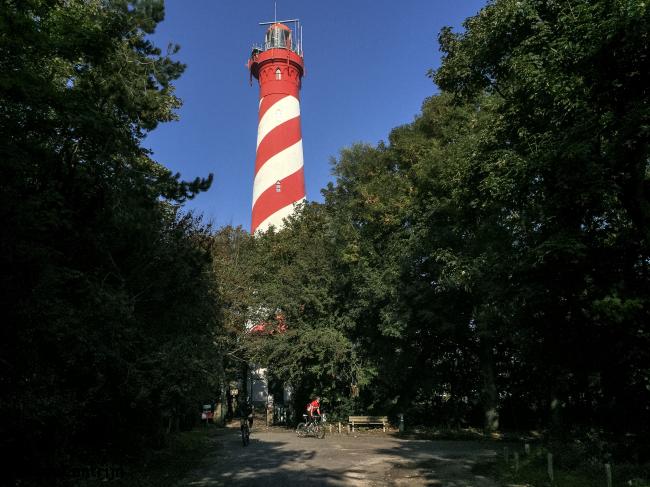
{"points": [[319, 431], [301, 430], [245, 435]]}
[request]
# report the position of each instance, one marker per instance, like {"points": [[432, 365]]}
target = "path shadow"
{"points": [[447, 463], [280, 459], [262, 463]]}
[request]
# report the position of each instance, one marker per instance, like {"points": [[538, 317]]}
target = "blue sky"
{"points": [[365, 63]]}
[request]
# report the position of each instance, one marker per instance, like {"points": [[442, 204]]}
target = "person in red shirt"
{"points": [[314, 406]]}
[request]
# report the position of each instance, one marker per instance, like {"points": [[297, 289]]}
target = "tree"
{"points": [[295, 297], [109, 305], [566, 159]]}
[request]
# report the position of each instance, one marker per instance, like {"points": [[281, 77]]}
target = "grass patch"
{"points": [[433, 433], [533, 472], [161, 468]]}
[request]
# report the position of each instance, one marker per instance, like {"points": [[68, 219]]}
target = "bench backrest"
{"points": [[368, 419]]}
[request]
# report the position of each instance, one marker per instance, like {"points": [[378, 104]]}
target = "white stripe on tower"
{"points": [[280, 112], [279, 181], [277, 218], [277, 168]]}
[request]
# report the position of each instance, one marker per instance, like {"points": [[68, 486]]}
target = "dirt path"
{"points": [[278, 458]]}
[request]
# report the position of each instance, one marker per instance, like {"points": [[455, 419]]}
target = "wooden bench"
{"points": [[357, 420]]}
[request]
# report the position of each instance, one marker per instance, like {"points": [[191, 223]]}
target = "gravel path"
{"points": [[278, 458]]}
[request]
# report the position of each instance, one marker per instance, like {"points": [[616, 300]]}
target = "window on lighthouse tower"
{"points": [[278, 186], [278, 74]]}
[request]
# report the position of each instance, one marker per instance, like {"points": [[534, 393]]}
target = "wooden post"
{"points": [[608, 474], [330, 429], [516, 462], [549, 467], [401, 423], [339, 427]]}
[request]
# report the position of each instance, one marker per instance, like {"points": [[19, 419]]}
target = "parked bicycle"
{"points": [[311, 427]]}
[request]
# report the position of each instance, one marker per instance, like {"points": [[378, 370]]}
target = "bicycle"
{"points": [[313, 427], [245, 432]]}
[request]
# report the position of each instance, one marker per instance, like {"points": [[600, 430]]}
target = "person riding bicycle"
{"points": [[313, 424], [246, 413], [312, 407]]}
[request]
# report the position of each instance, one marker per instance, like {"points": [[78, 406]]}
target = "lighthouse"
{"points": [[279, 183]]}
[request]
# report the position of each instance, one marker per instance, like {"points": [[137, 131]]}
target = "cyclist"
{"points": [[312, 407], [246, 420], [313, 418], [246, 413]]}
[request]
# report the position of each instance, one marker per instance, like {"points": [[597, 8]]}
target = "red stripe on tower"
{"points": [[279, 178]]}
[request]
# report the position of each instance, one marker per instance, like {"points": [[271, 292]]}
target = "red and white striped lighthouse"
{"points": [[279, 178]]}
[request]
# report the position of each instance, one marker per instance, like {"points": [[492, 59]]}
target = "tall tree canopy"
{"points": [[106, 291], [566, 163]]}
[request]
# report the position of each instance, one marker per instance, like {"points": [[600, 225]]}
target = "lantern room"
{"points": [[279, 57], [281, 34], [278, 36]]}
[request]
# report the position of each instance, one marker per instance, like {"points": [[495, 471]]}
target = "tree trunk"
{"points": [[489, 388], [243, 394]]}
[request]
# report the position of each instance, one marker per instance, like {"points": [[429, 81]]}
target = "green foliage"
{"points": [[565, 163], [107, 292], [572, 465], [168, 466], [489, 264]]}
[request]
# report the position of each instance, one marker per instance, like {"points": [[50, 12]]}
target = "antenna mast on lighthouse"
{"points": [[278, 66]]}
